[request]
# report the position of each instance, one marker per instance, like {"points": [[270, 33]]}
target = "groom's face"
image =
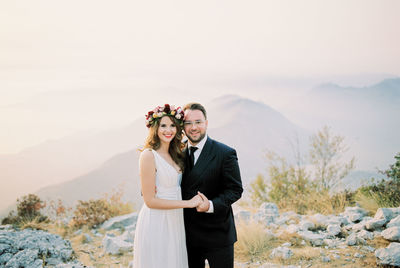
{"points": [[195, 125]]}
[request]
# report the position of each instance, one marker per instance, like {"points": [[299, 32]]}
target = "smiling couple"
{"points": [[188, 189]]}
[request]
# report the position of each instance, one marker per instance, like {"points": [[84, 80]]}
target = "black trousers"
{"points": [[216, 257]]}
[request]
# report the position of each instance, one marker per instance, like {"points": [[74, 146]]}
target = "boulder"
{"points": [[394, 222], [128, 236], [120, 222], [292, 228], [387, 213], [353, 240], [281, 252], [267, 213], [364, 234], [392, 234], [389, 255], [306, 225], [25, 248], [375, 224], [116, 245], [319, 219], [355, 214], [333, 229], [315, 239]]}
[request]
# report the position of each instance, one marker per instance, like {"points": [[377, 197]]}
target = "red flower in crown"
{"points": [[168, 110]]}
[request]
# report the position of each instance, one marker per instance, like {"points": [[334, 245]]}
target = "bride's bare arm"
{"points": [[147, 171]]}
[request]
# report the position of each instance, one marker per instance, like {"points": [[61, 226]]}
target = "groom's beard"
{"points": [[202, 135]]}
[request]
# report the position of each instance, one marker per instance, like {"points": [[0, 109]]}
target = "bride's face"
{"points": [[166, 130]]}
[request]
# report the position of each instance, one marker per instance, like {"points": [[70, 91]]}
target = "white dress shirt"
{"points": [[197, 153]]}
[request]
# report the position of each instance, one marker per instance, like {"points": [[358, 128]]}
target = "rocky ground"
{"points": [[350, 239]]}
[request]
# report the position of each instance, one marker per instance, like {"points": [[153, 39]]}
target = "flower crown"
{"points": [[159, 112]]}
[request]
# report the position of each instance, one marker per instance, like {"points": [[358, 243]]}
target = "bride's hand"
{"points": [[195, 201]]}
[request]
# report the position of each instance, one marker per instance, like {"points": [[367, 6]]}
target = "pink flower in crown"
{"points": [[159, 112]]}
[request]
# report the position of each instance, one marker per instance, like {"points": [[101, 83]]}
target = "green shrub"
{"points": [[386, 192]]}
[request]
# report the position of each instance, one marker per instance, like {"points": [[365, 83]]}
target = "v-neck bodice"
{"points": [[168, 179], [167, 162]]}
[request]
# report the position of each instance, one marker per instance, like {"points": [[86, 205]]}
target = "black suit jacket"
{"points": [[216, 174]]}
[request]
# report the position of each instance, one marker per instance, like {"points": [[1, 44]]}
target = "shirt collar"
{"points": [[200, 145]]}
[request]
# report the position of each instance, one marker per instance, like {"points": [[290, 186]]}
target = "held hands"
{"points": [[195, 201], [204, 205], [200, 202]]}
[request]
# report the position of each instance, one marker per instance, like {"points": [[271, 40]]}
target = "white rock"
{"points": [[387, 213], [333, 230], [389, 255], [120, 222], [355, 213], [364, 234], [281, 252], [292, 228], [368, 248], [320, 219], [331, 243], [115, 245], [315, 239], [306, 225], [128, 236], [392, 234], [267, 214], [375, 224], [351, 239], [394, 222]]}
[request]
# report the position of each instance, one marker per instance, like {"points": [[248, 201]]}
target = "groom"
{"points": [[211, 168]]}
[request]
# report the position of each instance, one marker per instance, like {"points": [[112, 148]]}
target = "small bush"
{"points": [[91, 213], [29, 206], [385, 193], [94, 212], [28, 210]]}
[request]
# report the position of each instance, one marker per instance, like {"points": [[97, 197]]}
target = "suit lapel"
{"points": [[206, 156]]}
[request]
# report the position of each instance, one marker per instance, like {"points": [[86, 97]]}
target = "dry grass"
{"points": [[292, 238], [253, 242], [378, 242], [34, 224], [92, 254], [367, 203]]}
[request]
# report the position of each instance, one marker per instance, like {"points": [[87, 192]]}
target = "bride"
{"points": [[160, 234]]}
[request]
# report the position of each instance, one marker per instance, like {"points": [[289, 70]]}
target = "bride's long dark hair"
{"points": [[175, 147]]}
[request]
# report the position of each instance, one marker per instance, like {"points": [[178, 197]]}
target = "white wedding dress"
{"points": [[160, 233]]}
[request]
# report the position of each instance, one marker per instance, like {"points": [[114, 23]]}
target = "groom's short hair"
{"points": [[196, 106]]}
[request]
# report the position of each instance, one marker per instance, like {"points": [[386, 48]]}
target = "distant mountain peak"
{"points": [[389, 84]]}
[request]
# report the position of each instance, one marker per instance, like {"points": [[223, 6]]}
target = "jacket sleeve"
{"points": [[231, 183]]}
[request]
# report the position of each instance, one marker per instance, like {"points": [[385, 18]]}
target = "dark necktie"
{"points": [[191, 156]]}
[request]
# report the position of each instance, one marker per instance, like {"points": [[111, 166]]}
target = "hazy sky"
{"points": [[72, 65]]}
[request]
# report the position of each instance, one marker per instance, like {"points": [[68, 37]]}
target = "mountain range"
{"points": [[250, 127], [89, 164]]}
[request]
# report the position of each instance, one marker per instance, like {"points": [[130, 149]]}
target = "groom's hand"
{"points": [[205, 205]]}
